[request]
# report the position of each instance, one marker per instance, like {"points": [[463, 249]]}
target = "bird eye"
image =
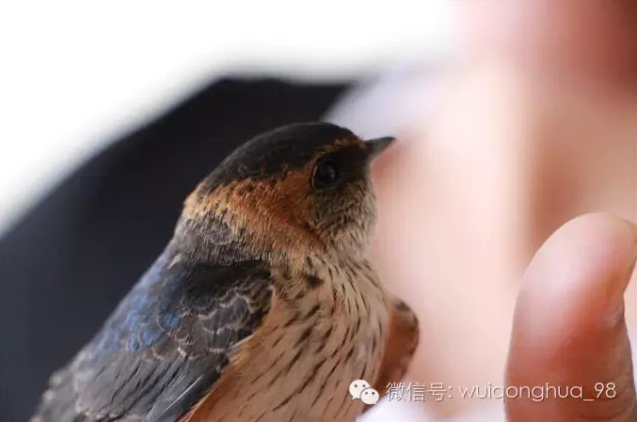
{"points": [[325, 175]]}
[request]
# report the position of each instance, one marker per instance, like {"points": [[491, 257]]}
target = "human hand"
{"points": [[515, 144], [569, 330]]}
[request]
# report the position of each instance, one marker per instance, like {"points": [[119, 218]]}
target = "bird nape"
{"points": [[263, 305]]}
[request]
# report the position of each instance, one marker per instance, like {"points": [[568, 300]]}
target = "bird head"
{"points": [[300, 188]]}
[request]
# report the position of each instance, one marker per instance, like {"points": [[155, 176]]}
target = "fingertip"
{"points": [[569, 326], [589, 259], [595, 231]]}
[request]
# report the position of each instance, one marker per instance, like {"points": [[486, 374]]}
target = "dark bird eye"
{"points": [[325, 175]]}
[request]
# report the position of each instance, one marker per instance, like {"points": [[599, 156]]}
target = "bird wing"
{"points": [[400, 345], [165, 345]]}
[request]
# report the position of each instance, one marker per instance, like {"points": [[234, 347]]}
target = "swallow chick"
{"points": [[263, 305]]}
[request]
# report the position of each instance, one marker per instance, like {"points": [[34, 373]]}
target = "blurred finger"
{"points": [[569, 343]]}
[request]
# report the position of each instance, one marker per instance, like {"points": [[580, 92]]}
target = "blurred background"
{"points": [[77, 75]]}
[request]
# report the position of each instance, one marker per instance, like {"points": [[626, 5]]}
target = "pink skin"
{"points": [[537, 126]]}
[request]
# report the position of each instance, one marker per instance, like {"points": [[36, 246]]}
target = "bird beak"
{"points": [[376, 146]]}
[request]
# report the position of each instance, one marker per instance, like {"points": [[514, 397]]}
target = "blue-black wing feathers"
{"points": [[165, 345]]}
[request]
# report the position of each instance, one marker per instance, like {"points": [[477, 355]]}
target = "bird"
{"points": [[263, 305]]}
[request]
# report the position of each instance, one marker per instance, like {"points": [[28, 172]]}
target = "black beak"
{"points": [[378, 145]]}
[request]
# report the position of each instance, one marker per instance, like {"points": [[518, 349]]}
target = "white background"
{"points": [[75, 74]]}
